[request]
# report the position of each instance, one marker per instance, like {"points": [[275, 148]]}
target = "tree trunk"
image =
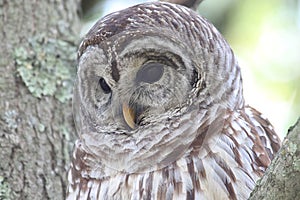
{"points": [[37, 66], [282, 179]]}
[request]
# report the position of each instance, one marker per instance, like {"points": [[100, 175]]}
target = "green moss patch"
{"points": [[47, 67]]}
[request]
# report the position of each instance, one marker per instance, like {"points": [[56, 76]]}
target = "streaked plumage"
{"points": [[185, 134]]}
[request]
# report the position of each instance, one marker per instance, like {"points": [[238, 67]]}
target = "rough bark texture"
{"points": [[282, 180], [37, 66]]}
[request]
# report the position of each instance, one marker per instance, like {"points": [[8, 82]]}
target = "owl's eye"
{"points": [[106, 89], [150, 73]]}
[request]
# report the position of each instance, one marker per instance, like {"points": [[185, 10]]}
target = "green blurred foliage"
{"points": [[266, 35]]}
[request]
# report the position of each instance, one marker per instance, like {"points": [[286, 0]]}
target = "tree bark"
{"points": [[282, 179], [37, 66]]}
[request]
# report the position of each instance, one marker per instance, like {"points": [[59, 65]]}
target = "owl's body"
{"points": [[159, 109]]}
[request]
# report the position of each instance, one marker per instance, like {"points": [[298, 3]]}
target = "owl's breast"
{"points": [[187, 178]]}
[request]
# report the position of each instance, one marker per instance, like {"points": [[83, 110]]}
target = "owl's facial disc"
{"points": [[151, 83], [149, 73]]}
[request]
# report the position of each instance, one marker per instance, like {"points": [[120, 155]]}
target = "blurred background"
{"points": [[265, 36]]}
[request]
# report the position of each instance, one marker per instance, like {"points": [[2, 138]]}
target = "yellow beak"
{"points": [[129, 115]]}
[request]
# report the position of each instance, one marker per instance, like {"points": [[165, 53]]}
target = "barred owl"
{"points": [[159, 110]]}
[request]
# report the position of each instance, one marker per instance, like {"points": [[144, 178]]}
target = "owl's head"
{"points": [[151, 64]]}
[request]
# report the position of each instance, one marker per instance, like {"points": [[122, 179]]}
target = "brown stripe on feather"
{"points": [[263, 158], [198, 141], [196, 163], [177, 181], [190, 195], [114, 71], [117, 191], [162, 190], [275, 141], [252, 134], [237, 156], [220, 161], [83, 186], [165, 173], [190, 165], [149, 185], [166, 186], [227, 169], [231, 136], [247, 120], [167, 179], [105, 195], [200, 168], [230, 189], [269, 130], [264, 142], [257, 147], [126, 180], [98, 190], [260, 156], [78, 162], [141, 189], [90, 188]]}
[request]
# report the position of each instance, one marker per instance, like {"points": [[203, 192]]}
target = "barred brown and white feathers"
{"points": [[160, 113]]}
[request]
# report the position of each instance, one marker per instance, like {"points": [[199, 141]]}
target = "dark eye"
{"points": [[106, 89], [150, 73]]}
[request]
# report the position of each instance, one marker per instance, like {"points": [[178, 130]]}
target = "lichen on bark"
{"points": [[43, 67], [5, 191], [37, 65]]}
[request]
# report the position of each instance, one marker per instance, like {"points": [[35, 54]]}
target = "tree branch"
{"points": [[282, 179]]}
